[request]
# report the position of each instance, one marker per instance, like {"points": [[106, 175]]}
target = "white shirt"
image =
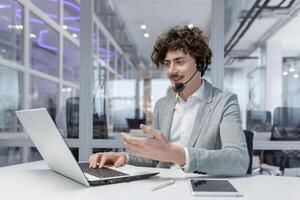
{"points": [[184, 118]]}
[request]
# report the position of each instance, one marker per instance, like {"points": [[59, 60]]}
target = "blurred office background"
{"points": [[43, 60]]}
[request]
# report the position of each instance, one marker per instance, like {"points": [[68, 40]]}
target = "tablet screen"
{"points": [[200, 185]]}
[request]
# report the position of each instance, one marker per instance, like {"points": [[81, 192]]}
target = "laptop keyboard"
{"points": [[103, 172]]}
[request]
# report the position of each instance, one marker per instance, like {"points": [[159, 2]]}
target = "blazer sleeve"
{"points": [[232, 159], [140, 161]]}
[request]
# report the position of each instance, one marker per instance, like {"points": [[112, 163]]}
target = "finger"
{"points": [[148, 129], [96, 159], [133, 144], [132, 140], [103, 160], [120, 161], [91, 160], [92, 157]]}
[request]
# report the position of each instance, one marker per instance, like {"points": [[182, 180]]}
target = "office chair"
{"points": [[249, 140], [286, 124], [259, 120]]}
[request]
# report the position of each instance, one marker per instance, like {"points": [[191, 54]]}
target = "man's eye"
{"points": [[180, 62], [166, 64]]}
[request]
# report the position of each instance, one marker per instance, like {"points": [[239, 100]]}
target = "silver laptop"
{"points": [[53, 148]]}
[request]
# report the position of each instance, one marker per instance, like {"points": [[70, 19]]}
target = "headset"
{"points": [[201, 67]]}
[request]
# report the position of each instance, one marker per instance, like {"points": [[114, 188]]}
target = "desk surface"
{"points": [[35, 181]]}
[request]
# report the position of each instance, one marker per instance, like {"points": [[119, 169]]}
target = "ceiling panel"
{"points": [[159, 15]]}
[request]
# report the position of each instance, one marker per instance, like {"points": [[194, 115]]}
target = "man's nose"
{"points": [[173, 68]]}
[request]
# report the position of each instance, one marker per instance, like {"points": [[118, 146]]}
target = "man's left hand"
{"points": [[155, 147]]}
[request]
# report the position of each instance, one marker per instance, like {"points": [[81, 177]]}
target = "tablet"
{"points": [[212, 187]]}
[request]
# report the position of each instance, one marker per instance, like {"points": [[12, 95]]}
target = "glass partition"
{"points": [[43, 46], [71, 17], [100, 104], [71, 62], [265, 76], [11, 31], [50, 8], [44, 94], [11, 91]]}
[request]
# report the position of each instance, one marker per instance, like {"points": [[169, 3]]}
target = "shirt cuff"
{"points": [[127, 157], [187, 159]]}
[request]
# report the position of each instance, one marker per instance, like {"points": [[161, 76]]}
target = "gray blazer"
{"points": [[217, 145]]}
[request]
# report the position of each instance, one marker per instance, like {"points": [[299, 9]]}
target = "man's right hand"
{"points": [[98, 160]]}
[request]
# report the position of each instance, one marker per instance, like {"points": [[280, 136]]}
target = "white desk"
{"points": [[35, 181], [261, 141]]}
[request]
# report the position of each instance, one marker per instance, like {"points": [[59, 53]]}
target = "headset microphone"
{"points": [[180, 86]]}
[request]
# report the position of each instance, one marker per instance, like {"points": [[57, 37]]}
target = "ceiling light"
{"points": [[292, 69], [146, 35], [65, 27], [18, 27], [190, 25], [296, 76], [285, 73], [32, 35], [143, 26], [74, 35]]}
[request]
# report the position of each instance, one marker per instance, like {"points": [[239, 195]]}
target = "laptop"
{"points": [[45, 136]]}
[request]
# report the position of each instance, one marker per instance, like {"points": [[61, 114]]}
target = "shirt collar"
{"points": [[199, 93]]}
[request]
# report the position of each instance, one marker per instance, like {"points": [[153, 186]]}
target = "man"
{"points": [[196, 127]]}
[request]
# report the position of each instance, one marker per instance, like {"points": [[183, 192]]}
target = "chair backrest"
{"points": [[258, 120], [286, 117], [286, 123], [249, 139]]}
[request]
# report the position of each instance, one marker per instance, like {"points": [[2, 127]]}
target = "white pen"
{"points": [[165, 184]]}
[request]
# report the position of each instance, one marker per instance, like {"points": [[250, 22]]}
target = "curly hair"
{"points": [[190, 40]]}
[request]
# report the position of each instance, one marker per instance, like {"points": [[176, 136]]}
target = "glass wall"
{"points": [[265, 76], [44, 94], [11, 91], [49, 8], [67, 118], [123, 93], [71, 19], [100, 100], [43, 47], [11, 31], [45, 73], [103, 42], [71, 62], [291, 71]]}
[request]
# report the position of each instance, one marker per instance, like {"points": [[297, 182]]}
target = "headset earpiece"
{"points": [[201, 67]]}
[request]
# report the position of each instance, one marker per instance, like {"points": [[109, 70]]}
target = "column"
{"points": [[217, 43], [273, 75], [86, 80]]}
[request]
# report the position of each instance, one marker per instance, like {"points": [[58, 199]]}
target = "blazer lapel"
{"points": [[166, 126], [200, 120], [202, 115], [169, 117]]}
